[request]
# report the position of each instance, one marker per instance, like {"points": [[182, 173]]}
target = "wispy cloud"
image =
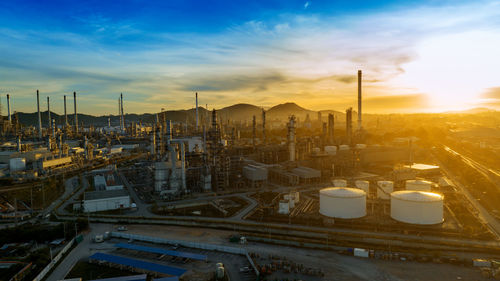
{"points": [[312, 58]]}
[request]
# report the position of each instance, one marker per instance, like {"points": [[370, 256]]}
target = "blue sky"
{"points": [[416, 55]]}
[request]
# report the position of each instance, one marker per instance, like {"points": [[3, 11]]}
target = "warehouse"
{"points": [[97, 201]]}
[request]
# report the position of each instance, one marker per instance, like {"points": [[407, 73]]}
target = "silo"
{"points": [[339, 183], [331, 150], [363, 185], [342, 202], [384, 189], [417, 207]]}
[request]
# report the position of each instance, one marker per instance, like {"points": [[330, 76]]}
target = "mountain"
{"points": [[237, 112], [284, 110], [240, 112]]}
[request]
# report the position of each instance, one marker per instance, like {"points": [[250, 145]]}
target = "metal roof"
{"points": [[345, 192], [161, 251], [148, 266], [103, 194], [140, 277], [417, 196]]}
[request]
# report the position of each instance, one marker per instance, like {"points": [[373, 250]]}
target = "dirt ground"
{"points": [[334, 266]]}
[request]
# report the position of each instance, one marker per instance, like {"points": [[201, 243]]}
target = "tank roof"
{"points": [[417, 196], [342, 192]]}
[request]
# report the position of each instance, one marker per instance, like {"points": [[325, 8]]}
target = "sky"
{"points": [[416, 56]]}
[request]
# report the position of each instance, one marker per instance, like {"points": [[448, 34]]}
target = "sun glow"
{"points": [[454, 70]]}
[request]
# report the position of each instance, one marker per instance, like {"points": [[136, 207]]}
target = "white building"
{"points": [[97, 201]]}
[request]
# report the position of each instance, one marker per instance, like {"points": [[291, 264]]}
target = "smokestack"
{"points": [[183, 166], [54, 128], [120, 114], [76, 114], [39, 115], [254, 123], [331, 127], [65, 113], [348, 124], [121, 109], [214, 119], [263, 126], [359, 99], [8, 109], [197, 111], [48, 113], [291, 138]]}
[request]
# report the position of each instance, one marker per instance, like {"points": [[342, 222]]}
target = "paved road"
{"points": [[81, 251]]}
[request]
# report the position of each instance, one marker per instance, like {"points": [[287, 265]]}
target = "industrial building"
{"points": [[97, 201]]}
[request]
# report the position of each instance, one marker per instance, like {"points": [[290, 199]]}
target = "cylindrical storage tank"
{"points": [[360, 146], [284, 207], [384, 190], [342, 202], [363, 185], [17, 164], [219, 273], [418, 185], [417, 207], [161, 174], [343, 147], [331, 150], [339, 183]]}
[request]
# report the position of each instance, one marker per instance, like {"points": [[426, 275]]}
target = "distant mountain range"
{"points": [[237, 112]]}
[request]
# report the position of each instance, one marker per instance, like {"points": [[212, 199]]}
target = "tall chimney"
{"points": [[254, 123], [348, 124], [76, 114], [331, 127], [263, 126], [39, 115], [120, 113], [197, 111], [359, 100], [48, 114], [65, 113], [121, 109], [8, 109], [291, 138]]}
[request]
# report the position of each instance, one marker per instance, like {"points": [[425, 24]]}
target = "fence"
{"points": [[54, 261]]}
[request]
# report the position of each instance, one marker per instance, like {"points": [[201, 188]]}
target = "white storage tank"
{"points": [[17, 164], [360, 146], [417, 207], [284, 207], [418, 185], [363, 185], [342, 202], [343, 147], [331, 150], [339, 183], [384, 190]]}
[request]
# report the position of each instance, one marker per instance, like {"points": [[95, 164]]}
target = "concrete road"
{"points": [[81, 251]]}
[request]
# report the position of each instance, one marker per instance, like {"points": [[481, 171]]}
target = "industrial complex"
{"points": [[276, 175]]}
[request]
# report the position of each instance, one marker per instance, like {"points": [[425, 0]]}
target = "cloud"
{"points": [[312, 58]]}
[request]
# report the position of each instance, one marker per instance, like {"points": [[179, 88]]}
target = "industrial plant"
{"points": [[274, 175]]}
